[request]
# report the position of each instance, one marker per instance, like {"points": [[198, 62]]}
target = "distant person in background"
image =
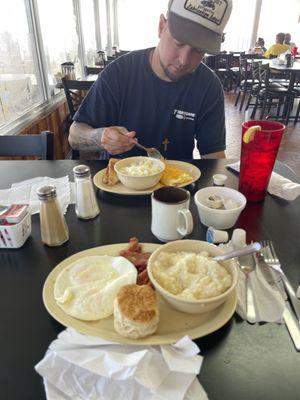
{"points": [[287, 41], [259, 47], [279, 47]]}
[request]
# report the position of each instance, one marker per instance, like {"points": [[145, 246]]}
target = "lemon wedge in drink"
{"points": [[250, 133]]}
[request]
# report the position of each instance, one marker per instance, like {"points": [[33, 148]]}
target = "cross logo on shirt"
{"points": [[165, 142]]}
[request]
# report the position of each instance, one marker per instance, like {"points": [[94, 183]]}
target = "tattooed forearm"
{"points": [[84, 137]]}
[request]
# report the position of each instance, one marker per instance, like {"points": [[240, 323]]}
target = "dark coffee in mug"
{"points": [[171, 195]]}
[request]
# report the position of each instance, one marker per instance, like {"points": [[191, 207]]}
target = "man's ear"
{"points": [[162, 25]]}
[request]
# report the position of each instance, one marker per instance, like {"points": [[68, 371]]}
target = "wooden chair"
{"points": [[75, 92], [269, 95], [28, 145], [293, 94], [92, 70], [222, 69], [244, 81], [210, 60]]}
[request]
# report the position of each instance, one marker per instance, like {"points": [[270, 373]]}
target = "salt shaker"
{"points": [[54, 229], [86, 206]]}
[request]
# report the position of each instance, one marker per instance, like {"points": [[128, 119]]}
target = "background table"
{"points": [[241, 361]]}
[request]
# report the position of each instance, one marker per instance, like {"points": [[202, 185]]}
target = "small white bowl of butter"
{"points": [[185, 276], [139, 173]]}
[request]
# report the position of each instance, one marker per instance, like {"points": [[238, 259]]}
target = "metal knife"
{"points": [[282, 279], [290, 320], [292, 325]]}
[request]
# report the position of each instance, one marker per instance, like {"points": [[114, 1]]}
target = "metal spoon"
{"points": [[251, 248], [247, 267], [151, 151]]}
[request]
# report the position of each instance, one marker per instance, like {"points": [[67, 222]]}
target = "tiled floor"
{"points": [[289, 151]]}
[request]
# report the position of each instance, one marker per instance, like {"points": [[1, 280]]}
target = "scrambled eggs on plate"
{"points": [[174, 176]]}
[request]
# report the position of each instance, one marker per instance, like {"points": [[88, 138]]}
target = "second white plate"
{"points": [[119, 188]]}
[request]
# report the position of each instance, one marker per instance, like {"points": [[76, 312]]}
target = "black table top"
{"points": [[241, 361]]}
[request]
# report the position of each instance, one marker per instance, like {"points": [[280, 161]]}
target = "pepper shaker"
{"points": [[54, 229]]}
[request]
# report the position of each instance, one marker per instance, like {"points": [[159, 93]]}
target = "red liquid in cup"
{"points": [[258, 158]]}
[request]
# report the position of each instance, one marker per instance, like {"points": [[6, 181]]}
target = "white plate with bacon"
{"points": [[177, 173], [173, 324]]}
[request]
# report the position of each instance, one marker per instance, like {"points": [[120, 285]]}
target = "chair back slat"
{"points": [[264, 74], [92, 70], [75, 92], [223, 61], [28, 145]]}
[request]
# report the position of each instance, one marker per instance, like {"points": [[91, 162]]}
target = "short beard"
{"points": [[167, 72], [170, 75]]}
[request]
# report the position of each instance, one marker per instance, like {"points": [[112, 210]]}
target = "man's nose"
{"points": [[184, 55]]}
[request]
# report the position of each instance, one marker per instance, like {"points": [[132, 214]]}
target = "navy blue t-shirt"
{"points": [[165, 115]]}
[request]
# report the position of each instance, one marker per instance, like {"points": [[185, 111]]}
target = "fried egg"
{"points": [[86, 289], [174, 176]]}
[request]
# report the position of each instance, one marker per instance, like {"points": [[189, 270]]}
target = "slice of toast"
{"points": [[110, 177], [105, 176]]}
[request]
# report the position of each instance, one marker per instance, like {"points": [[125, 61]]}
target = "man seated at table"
{"points": [[287, 40], [278, 48], [164, 97]]}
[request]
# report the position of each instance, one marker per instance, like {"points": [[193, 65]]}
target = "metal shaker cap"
{"points": [[81, 171], [46, 192]]}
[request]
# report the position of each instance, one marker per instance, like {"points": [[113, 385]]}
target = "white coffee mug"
{"points": [[171, 217]]}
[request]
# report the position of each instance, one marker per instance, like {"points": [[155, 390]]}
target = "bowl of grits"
{"points": [[185, 275]]}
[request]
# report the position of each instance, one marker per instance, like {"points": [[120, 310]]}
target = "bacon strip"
{"points": [[139, 260]]}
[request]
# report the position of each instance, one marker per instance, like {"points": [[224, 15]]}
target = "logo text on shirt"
{"points": [[179, 114]]}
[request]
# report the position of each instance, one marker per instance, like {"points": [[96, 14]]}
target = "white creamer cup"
{"points": [[216, 235], [219, 179]]}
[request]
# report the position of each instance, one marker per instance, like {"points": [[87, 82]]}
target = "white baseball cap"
{"points": [[199, 23]]}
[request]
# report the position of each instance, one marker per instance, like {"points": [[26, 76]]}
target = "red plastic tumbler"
{"points": [[258, 158]]}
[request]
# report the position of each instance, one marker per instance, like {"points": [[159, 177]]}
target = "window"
{"points": [[59, 35], [20, 87], [88, 30], [138, 23], [103, 24], [274, 19], [239, 27]]}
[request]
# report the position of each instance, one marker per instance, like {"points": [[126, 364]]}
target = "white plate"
{"points": [[119, 188], [173, 324]]}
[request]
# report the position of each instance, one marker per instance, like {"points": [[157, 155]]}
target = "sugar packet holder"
{"points": [[13, 236]]}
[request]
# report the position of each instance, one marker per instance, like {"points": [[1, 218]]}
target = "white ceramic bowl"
{"points": [[138, 182], [196, 306], [219, 219]]}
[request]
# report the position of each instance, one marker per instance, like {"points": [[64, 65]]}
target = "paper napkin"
{"points": [[278, 185], [79, 366], [268, 301], [25, 192]]}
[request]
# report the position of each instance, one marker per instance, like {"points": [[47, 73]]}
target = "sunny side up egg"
{"points": [[86, 289]]}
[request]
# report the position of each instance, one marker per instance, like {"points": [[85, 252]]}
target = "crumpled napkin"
{"points": [[78, 366], [268, 301], [278, 185], [25, 192]]}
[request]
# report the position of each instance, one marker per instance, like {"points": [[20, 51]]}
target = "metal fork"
{"points": [[151, 151], [272, 260]]}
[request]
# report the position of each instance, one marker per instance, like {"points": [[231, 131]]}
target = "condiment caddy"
{"points": [[15, 225]]}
